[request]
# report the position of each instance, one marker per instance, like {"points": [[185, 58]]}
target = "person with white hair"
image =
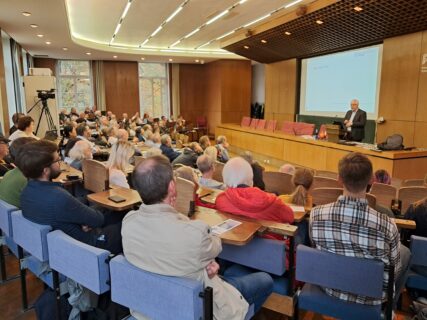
{"points": [[80, 151], [152, 152], [118, 163], [241, 198], [212, 153], [166, 147], [207, 168], [287, 168], [222, 146], [122, 135]]}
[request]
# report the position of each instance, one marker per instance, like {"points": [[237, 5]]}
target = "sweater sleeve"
{"points": [[285, 211]]}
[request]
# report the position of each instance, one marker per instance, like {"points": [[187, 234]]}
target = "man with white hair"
{"points": [[355, 121], [206, 167], [122, 135], [222, 146], [287, 168], [166, 147], [242, 198]]}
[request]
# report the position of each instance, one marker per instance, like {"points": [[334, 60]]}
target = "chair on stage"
{"points": [[254, 123], [409, 195], [95, 176], [288, 127], [350, 274], [278, 182], [324, 182], [246, 121], [261, 124], [384, 193], [303, 129], [186, 196], [325, 195], [271, 125]]}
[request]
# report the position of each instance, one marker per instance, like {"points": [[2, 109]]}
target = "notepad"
{"points": [[297, 208], [225, 226]]}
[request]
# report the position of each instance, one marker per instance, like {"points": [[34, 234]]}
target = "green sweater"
{"points": [[11, 187]]}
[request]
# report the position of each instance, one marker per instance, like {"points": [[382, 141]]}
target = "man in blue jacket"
{"points": [[167, 149]]}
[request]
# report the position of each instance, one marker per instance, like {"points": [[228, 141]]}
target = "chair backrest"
{"points": [[86, 265], [325, 195], [302, 128], [288, 127], [419, 251], [325, 182], [354, 275], [258, 254], [155, 296], [95, 175], [254, 123], [30, 236], [384, 193], [201, 122], [409, 195], [5, 217], [327, 174], [372, 200], [271, 125], [217, 175], [278, 182], [261, 124], [186, 195], [412, 183], [246, 121]]}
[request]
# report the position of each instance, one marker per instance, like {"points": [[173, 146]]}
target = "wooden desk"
{"points": [[68, 170], [101, 198], [317, 154], [405, 224]]}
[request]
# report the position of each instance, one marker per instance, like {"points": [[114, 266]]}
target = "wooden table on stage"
{"points": [[317, 154], [101, 198]]}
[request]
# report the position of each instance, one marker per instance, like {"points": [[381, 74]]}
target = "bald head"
{"points": [[237, 171]]}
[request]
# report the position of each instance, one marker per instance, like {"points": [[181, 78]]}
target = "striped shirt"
{"points": [[351, 228]]}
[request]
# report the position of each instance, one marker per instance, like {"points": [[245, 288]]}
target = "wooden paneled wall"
{"points": [[46, 63], [403, 91], [121, 87], [220, 90], [281, 90]]}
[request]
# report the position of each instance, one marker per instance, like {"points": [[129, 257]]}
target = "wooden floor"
{"points": [[10, 299]]}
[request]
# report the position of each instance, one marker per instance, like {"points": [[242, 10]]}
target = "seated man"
{"points": [[206, 167], [189, 155], [257, 169], [222, 146], [351, 228], [242, 198], [167, 149], [46, 202], [4, 152], [148, 244]]}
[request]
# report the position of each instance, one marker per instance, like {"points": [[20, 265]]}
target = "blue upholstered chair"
{"points": [[158, 297], [6, 235], [419, 259], [354, 275]]}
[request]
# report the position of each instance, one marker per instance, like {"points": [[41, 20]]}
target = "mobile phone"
{"points": [[116, 199], [72, 177]]}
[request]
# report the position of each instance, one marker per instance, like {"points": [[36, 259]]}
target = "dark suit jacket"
{"points": [[169, 152], [358, 127]]}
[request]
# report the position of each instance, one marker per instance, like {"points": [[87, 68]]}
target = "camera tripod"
{"points": [[45, 109]]}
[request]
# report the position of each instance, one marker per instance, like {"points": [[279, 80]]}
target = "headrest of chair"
{"points": [[419, 250], [5, 218]]}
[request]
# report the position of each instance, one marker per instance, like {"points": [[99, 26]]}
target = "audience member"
{"points": [[187, 173], [302, 180], [152, 152], [73, 114], [222, 146], [69, 132], [25, 129], [242, 198], [79, 152], [15, 119], [350, 227], [418, 212], [40, 163], [148, 244], [382, 176], [84, 133], [212, 153], [204, 142], [14, 181], [118, 163], [257, 170], [4, 152], [207, 168], [122, 135], [287, 168], [167, 149], [189, 155]]}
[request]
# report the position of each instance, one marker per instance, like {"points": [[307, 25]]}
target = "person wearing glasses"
{"points": [[46, 202]]}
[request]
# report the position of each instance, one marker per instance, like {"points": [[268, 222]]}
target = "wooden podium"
{"points": [[333, 131]]}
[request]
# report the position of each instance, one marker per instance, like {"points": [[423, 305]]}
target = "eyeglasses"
{"points": [[56, 161]]}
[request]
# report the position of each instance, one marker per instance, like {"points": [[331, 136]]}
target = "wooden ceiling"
{"points": [[342, 28]]}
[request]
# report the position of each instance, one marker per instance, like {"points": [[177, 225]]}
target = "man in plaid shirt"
{"points": [[351, 228]]}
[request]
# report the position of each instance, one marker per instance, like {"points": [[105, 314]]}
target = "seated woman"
{"points": [[69, 132], [25, 129], [302, 180], [118, 163], [79, 152], [382, 176]]}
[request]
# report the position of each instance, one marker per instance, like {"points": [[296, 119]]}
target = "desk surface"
{"points": [[405, 224], [101, 198], [68, 170]]}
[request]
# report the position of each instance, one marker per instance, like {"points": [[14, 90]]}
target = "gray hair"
{"points": [[165, 139], [237, 171], [287, 168], [221, 139], [204, 163]]}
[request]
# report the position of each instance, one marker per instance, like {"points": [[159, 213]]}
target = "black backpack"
{"points": [[393, 142]]}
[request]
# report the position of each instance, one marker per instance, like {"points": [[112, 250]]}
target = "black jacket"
{"points": [[358, 127]]}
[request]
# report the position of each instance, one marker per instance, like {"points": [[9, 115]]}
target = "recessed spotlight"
{"points": [[202, 61], [288, 33], [40, 35], [65, 48], [246, 47], [88, 53], [357, 8], [115, 57], [197, 60], [142, 58], [319, 21], [26, 14], [48, 42], [264, 41], [170, 60], [34, 25]]}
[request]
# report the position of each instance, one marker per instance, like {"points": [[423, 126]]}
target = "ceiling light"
{"points": [[292, 3], [217, 17], [202, 61], [125, 12], [246, 47], [175, 43], [357, 8], [205, 44], [26, 14], [145, 41], [319, 21], [117, 29], [288, 33], [174, 14], [48, 42], [65, 48], [34, 26], [142, 58], [196, 60], [88, 53], [256, 20], [242, 1], [115, 57], [225, 35], [40, 35], [191, 33], [156, 31], [264, 41], [170, 60]]}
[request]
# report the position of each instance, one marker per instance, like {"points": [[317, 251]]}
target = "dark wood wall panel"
{"points": [[46, 63], [121, 87]]}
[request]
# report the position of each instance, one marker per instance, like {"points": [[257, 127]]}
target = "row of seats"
{"points": [[288, 127]]}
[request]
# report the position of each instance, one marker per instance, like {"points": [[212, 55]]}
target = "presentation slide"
{"points": [[330, 82]]}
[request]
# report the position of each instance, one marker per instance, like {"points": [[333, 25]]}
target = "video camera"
{"points": [[46, 94]]}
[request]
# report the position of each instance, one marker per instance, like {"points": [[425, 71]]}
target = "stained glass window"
{"points": [[154, 89], [74, 85]]}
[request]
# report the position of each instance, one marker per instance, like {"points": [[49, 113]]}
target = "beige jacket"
{"points": [[158, 239]]}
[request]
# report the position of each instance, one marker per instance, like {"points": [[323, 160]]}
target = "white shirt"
{"points": [[21, 134], [353, 114], [118, 178]]}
